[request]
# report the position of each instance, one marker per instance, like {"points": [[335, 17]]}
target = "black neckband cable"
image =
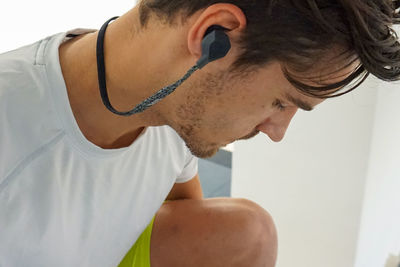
{"points": [[215, 45], [101, 71]]}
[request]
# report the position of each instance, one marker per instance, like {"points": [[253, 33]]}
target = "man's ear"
{"points": [[228, 16]]}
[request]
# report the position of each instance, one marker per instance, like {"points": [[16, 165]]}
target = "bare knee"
{"points": [[258, 234], [213, 232]]}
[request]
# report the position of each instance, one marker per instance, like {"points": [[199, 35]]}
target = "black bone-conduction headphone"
{"points": [[215, 45]]}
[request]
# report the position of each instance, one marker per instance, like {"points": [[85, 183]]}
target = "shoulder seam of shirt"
{"points": [[39, 57], [29, 158]]}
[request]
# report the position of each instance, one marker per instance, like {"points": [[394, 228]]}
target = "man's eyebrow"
{"points": [[299, 103]]}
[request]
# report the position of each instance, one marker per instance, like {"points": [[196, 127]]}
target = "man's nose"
{"points": [[276, 125]]}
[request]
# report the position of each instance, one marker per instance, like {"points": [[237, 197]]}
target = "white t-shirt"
{"points": [[63, 200]]}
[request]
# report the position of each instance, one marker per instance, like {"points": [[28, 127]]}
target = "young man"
{"points": [[80, 184]]}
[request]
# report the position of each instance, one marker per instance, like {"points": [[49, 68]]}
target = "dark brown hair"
{"points": [[303, 33]]}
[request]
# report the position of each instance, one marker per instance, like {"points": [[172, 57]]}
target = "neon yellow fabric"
{"points": [[139, 254]]}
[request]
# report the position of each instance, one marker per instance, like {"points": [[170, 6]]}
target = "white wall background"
{"points": [[379, 241], [334, 162], [25, 21]]}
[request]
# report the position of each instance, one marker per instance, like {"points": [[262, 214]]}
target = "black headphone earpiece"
{"points": [[215, 45]]}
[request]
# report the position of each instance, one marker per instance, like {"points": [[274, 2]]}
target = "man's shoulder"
{"points": [[18, 73], [14, 61], [30, 54]]}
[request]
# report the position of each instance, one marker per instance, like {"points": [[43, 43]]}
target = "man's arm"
{"points": [[189, 190]]}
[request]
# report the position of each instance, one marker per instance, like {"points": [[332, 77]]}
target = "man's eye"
{"points": [[278, 104]]}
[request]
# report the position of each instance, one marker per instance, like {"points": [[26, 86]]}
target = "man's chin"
{"points": [[202, 152], [211, 150]]}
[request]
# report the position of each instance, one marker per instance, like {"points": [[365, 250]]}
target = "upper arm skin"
{"points": [[189, 190]]}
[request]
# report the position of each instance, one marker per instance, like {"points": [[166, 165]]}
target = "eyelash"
{"points": [[278, 104]]}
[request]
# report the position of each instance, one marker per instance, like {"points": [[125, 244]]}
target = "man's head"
{"points": [[286, 54]]}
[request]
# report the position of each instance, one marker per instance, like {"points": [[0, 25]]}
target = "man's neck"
{"points": [[127, 84]]}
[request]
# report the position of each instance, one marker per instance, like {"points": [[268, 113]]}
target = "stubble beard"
{"points": [[192, 115], [198, 147]]}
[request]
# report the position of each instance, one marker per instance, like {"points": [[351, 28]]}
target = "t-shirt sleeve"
{"points": [[190, 169]]}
